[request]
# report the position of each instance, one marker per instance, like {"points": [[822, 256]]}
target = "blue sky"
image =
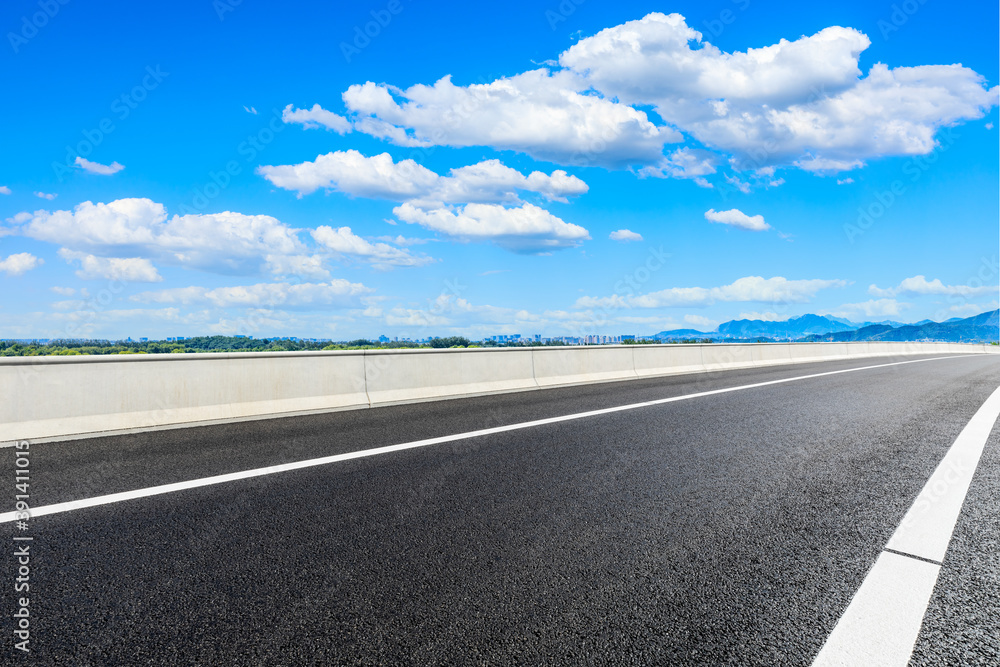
{"points": [[563, 168]]}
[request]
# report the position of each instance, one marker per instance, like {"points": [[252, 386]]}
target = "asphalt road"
{"points": [[725, 529]]}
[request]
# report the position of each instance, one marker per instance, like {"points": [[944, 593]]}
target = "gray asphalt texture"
{"points": [[727, 529]]}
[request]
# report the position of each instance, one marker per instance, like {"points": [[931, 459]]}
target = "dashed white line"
{"points": [[72, 505], [882, 622]]}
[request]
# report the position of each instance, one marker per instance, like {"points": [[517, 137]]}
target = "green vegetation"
{"points": [[453, 341], [202, 344]]}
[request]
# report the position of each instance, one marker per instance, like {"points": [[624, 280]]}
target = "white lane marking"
{"points": [[57, 508], [926, 529], [882, 622]]}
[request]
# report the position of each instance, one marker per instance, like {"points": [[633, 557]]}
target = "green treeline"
{"points": [[206, 344]]}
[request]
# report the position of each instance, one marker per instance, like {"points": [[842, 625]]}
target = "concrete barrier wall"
{"points": [[576, 365], [50, 397], [650, 360], [724, 357], [416, 375]]}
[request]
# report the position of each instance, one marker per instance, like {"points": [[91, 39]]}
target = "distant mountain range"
{"points": [[981, 328]]}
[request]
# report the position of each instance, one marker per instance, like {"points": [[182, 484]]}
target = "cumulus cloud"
{"points": [[547, 115], [845, 181], [127, 269], [748, 289], [651, 60], [684, 163], [225, 242], [738, 218], [343, 241], [436, 202], [352, 173], [20, 263], [625, 235], [525, 229], [316, 117], [97, 167], [306, 266], [919, 285], [337, 293], [492, 181], [46, 195], [379, 177], [4, 190], [803, 102], [137, 231]]}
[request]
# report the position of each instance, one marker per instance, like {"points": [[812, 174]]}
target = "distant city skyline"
{"points": [[566, 169]]}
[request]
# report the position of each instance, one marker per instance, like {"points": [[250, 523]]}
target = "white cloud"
{"points": [[71, 304], [416, 317], [380, 129], [919, 285], [803, 102], [250, 110], [336, 293], [46, 195], [661, 323], [224, 242], [445, 308], [343, 241], [352, 173], [547, 115], [525, 229], [306, 266], [316, 117], [872, 308], [748, 289], [823, 165], [651, 61], [403, 241], [20, 263], [97, 167], [492, 181], [684, 163], [845, 181], [970, 309], [228, 242], [378, 177], [4, 190], [127, 269], [700, 321], [738, 184], [625, 235], [69, 291], [738, 218]]}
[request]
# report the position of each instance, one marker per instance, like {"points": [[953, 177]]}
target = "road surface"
{"points": [[719, 527]]}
